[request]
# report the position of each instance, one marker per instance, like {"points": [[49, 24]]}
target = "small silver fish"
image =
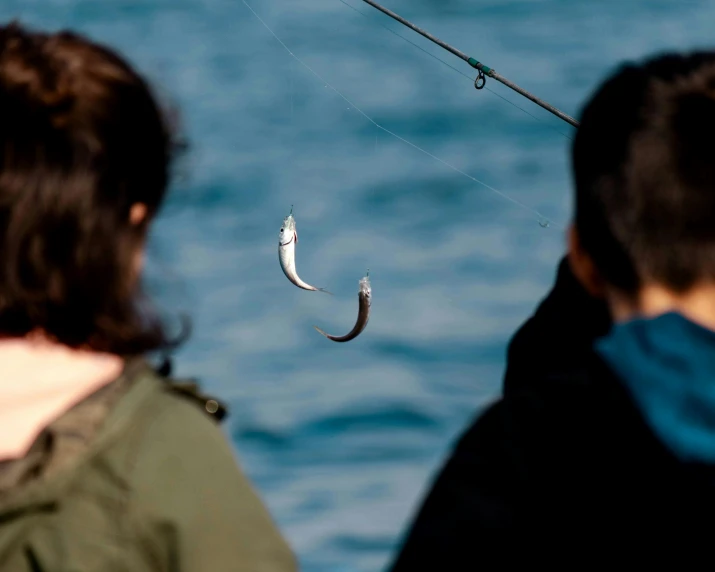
{"points": [[287, 239], [364, 301]]}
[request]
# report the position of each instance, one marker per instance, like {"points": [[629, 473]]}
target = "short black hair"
{"points": [[644, 173]]}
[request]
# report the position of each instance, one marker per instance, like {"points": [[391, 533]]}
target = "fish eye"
{"points": [[282, 229]]}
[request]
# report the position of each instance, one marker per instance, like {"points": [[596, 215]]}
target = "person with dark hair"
{"points": [[602, 445], [105, 463]]}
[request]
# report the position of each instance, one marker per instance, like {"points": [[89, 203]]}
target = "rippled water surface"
{"points": [[342, 439]]}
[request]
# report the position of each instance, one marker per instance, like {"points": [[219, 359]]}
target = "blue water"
{"points": [[342, 439]]}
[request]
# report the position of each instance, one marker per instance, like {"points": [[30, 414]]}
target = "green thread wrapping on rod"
{"points": [[478, 65]]}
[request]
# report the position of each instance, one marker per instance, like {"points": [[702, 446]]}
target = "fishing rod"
{"points": [[483, 71]]}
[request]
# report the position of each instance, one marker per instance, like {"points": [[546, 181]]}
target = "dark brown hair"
{"points": [[644, 168], [82, 139]]}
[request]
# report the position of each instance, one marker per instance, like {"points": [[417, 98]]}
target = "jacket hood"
{"points": [[667, 364]]}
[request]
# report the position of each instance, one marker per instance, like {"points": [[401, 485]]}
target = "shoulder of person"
{"points": [[544, 417], [186, 477], [162, 414]]}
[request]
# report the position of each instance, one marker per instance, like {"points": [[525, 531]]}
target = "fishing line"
{"points": [[291, 92], [460, 72], [543, 221]]}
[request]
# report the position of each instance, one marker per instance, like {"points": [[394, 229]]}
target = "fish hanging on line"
{"points": [[287, 239], [364, 301]]}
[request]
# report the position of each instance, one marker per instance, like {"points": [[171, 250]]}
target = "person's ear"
{"points": [[583, 267], [137, 217], [137, 213]]}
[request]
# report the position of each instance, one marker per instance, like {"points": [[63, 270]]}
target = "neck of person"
{"points": [[697, 304]]}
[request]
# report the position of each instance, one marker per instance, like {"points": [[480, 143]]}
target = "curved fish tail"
{"points": [[323, 333]]}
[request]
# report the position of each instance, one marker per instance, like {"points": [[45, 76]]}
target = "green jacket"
{"points": [[153, 487]]}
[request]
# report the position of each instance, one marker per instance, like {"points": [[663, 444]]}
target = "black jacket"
{"points": [[563, 466]]}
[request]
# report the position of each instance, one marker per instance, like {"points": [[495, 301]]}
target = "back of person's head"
{"points": [[84, 165], [644, 169]]}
